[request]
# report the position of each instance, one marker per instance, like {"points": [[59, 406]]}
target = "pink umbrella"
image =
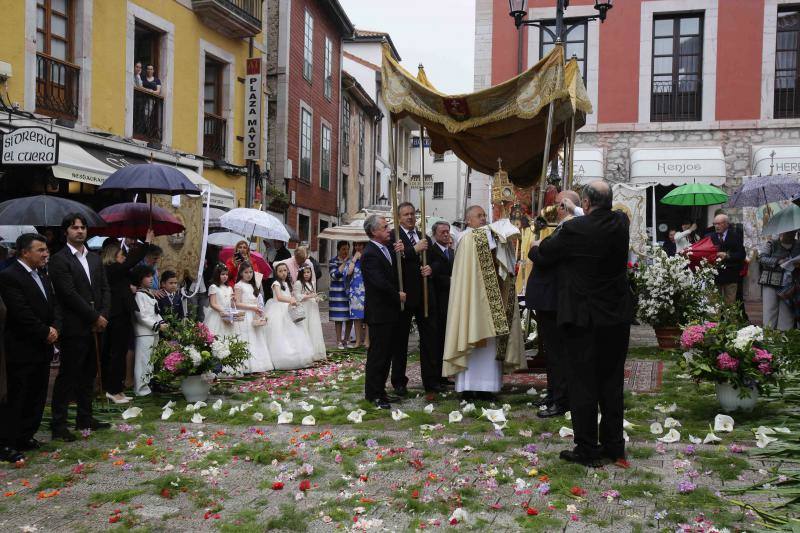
{"points": [[256, 258], [134, 219]]}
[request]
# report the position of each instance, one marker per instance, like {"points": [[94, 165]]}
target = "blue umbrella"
{"points": [[44, 210], [152, 178], [760, 190]]}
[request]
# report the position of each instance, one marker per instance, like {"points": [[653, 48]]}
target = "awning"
{"points": [[678, 166], [787, 159], [588, 165], [76, 164], [219, 197]]}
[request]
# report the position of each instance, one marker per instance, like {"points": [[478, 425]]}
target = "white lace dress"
{"points": [[212, 318], [288, 342], [260, 359], [313, 323]]}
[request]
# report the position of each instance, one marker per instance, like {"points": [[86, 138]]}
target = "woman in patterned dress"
{"points": [[355, 291], [339, 302]]}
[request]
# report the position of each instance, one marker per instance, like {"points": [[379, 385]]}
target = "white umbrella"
{"points": [[354, 231], [226, 238], [254, 222], [10, 233], [213, 216]]}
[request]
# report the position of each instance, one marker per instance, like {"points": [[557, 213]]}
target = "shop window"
{"points": [[438, 190], [214, 124], [787, 104], [676, 91], [57, 77], [305, 145]]}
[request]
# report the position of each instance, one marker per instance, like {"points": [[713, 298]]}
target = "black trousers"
{"points": [[430, 363], [21, 416], [379, 359], [555, 358], [116, 341], [596, 372], [75, 381]]}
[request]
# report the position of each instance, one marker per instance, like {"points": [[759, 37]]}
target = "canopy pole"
{"points": [[398, 256], [653, 216], [422, 215], [545, 157], [571, 174]]}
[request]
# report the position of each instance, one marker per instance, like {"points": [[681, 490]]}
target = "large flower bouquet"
{"points": [[189, 348], [726, 352], [670, 294]]}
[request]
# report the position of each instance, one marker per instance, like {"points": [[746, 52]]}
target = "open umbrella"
{"points": [[756, 191], [256, 258], [796, 199], [246, 221], [45, 210], [131, 219], [152, 178], [10, 233], [695, 194], [783, 221], [225, 238], [354, 231]]}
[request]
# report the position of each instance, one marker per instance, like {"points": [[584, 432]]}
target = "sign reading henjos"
{"points": [[29, 146], [252, 109]]}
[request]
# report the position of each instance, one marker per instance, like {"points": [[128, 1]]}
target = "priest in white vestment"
{"points": [[484, 335]]}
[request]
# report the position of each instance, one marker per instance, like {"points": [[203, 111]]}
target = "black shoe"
{"points": [[468, 395], [64, 434], [571, 456], [381, 403], [435, 389], [401, 391], [444, 382], [551, 411], [547, 400], [392, 398], [94, 425], [30, 444], [10, 455]]}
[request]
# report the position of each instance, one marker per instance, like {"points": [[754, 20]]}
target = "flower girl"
{"points": [[147, 324], [249, 299], [217, 315], [305, 293], [288, 343]]}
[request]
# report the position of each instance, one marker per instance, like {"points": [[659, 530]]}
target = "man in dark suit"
{"points": [[382, 309], [594, 312], [80, 284], [730, 257], [32, 326], [441, 256], [413, 272]]}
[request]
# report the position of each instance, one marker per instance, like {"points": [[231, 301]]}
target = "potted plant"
{"points": [[670, 294], [276, 198], [736, 358], [191, 354]]}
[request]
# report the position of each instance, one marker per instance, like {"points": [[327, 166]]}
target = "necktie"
{"points": [[386, 253], [38, 281], [412, 237], [449, 253]]}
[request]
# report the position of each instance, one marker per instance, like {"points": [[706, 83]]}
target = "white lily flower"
{"points": [[625, 436], [328, 408], [275, 407], [762, 440], [309, 420], [455, 416], [190, 408], [565, 432], [217, 405], [710, 438], [356, 416], [494, 415], [199, 405], [169, 405], [507, 407], [568, 415], [671, 423], [285, 417], [695, 440], [398, 415], [233, 410], [666, 410], [459, 515], [656, 429], [305, 406], [197, 418], [428, 408], [783, 430], [671, 436], [258, 417], [468, 408], [131, 412], [723, 423], [627, 425], [764, 430], [166, 413]]}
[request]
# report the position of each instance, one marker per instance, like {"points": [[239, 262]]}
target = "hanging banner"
{"points": [[29, 146], [252, 109], [632, 200]]}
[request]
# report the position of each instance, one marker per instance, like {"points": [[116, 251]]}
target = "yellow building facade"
{"points": [[72, 65]]}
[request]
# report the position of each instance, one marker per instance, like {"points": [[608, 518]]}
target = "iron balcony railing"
{"points": [[57, 87], [148, 115], [245, 8], [214, 134], [676, 100], [787, 104]]}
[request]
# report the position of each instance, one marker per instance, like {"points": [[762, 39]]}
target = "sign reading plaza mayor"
{"points": [[252, 109], [29, 146]]}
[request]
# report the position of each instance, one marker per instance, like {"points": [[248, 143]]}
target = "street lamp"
{"points": [[518, 10]]}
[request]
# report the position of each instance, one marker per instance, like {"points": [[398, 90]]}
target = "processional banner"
{"points": [[632, 200]]}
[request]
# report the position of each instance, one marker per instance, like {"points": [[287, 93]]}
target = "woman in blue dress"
{"points": [[338, 301], [355, 290]]}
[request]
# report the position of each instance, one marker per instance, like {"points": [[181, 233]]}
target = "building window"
{"points": [[786, 58], [379, 136], [438, 190], [438, 158], [323, 243], [325, 160], [575, 42], [677, 68], [328, 85], [305, 145], [361, 142], [304, 227], [148, 102], [214, 125], [345, 184], [469, 189], [360, 196], [57, 78], [308, 47], [345, 131]]}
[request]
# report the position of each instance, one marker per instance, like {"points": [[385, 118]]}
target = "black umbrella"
{"points": [[151, 178], [44, 210]]}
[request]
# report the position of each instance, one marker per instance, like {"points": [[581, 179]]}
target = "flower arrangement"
{"points": [[670, 294], [189, 348], [725, 352]]}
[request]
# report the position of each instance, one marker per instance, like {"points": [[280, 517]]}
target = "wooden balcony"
{"points": [[57, 87], [214, 133], [232, 18]]}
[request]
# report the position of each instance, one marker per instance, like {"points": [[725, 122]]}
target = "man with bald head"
{"points": [[730, 257], [594, 311]]}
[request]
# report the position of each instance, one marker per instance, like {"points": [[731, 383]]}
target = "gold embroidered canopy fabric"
{"points": [[508, 121]]}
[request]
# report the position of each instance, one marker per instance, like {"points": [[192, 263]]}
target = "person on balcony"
{"points": [[150, 81], [137, 74]]}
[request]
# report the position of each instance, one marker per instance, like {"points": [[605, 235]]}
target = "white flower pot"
{"points": [[730, 401], [195, 388]]}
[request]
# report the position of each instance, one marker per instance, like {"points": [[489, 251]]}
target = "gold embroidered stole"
{"points": [[497, 298]]}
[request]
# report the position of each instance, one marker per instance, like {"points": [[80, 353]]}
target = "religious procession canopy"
{"points": [[508, 121]]}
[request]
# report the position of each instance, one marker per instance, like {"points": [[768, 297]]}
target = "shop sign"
{"points": [[415, 142], [252, 109], [29, 146]]}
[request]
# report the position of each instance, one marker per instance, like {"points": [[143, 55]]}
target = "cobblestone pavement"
{"points": [[436, 463]]}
